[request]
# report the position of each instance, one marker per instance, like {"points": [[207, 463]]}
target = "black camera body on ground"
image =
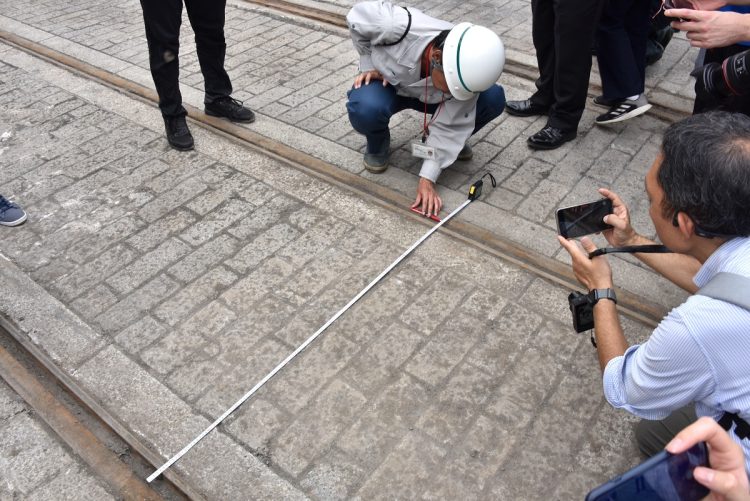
{"points": [[582, 308]]}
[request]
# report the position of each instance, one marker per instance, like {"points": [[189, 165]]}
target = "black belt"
{"points": [[406, 32], [742, 428]]}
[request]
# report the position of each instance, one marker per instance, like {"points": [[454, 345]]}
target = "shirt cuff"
{"points": [[430, 170], [613, 379]]}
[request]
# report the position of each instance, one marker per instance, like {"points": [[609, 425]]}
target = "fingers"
{"points": [[705, 429], [571, 247], [588, 245], [616, 200], [718, 481], [368, 76]]}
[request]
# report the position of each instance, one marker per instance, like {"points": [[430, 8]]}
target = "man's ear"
{"points": [[436, 55], [686, 225]]}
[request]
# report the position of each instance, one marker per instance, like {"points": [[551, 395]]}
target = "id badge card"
{"points": [[421, 150]]}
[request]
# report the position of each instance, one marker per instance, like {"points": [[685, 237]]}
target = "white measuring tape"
{"points": [[474, 192]]}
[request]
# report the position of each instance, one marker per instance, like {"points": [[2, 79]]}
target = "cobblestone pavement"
{"points": [[33, 463], [295, 75], [167, 283]]}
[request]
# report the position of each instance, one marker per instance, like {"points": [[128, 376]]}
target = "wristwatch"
{"points": [[596, 294]]}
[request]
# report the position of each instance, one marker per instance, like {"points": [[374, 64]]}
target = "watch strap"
{"points": [[596, 294]]}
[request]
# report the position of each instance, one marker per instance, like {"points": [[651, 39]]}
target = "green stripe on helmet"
{"points": [[458, 62]]}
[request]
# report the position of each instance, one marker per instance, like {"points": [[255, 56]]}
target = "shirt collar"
{"points": [[717, 261]]}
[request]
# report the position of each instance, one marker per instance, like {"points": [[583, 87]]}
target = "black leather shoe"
{"points": [[178, 134], [525, 108], [227, 107], [550, 138]]}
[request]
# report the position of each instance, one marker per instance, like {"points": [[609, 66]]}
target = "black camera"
{"points": [[582, 308]]}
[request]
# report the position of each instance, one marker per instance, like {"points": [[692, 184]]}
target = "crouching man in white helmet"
{"points": [[411, 60]]}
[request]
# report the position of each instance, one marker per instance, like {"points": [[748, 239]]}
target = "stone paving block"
{"points": [[487, 446], [256, 423], [311, 279], [381, 360], [72, 483], [139, 335], [306, 375], [392, 479], [147, 266], [91, 273], [445, 292], [332, 477], [171, 199], [134, 305], [530, 475], [265, 244], [523, 388], [206, 287], [317, 426], [457, 405], [214, 222], [385, 421], [98, 299], [204, 258], [315, 242], [161, 230], [27, 457], [265, 278]]}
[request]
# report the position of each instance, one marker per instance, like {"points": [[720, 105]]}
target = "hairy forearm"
{"points": [[610, 341], [677, 268]]}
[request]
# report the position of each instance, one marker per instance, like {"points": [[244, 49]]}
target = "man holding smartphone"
{"points": [[696, 361]]}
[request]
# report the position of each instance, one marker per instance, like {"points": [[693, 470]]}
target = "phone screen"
{"points": [[664, 477], [583, 219]]}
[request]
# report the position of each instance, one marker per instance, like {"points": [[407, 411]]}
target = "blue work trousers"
{"points": [[371, 107]]}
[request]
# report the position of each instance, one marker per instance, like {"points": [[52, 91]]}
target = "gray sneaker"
{"points": [[624, 110], [10, 213], [376, 162]]}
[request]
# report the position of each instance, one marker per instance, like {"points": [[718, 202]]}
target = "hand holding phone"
{"points": [[580, 220], [664, 477]]}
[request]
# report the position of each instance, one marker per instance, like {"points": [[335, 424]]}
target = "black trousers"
{"points": [[706, 102], [563, 34], [163, 19], [621, 47]]}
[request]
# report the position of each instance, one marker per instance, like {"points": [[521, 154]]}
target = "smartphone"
{"points": [[585, 219], [664, 477], [678, 4]]}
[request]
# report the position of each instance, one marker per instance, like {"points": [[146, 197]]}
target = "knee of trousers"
{"points": [[491, 103], [367, 115]]}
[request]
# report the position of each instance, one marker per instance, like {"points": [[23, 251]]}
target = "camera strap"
{"points": [[631, 249]]}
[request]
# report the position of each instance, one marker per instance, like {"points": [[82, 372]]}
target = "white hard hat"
{"points": [[473, 59]]}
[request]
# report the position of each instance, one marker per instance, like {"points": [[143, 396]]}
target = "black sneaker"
{"points": [[178, 134], [624, 110], [230, 108]]}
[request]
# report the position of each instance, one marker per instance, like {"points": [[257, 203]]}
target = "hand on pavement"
{"points": [[427, 199]]}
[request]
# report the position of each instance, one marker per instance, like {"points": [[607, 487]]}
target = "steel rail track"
{"points": [[78, 426], [542, 266], [548, 268], [512, 66]]}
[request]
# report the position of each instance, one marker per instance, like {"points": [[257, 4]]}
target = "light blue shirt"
{"points": [[699, 353]]}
